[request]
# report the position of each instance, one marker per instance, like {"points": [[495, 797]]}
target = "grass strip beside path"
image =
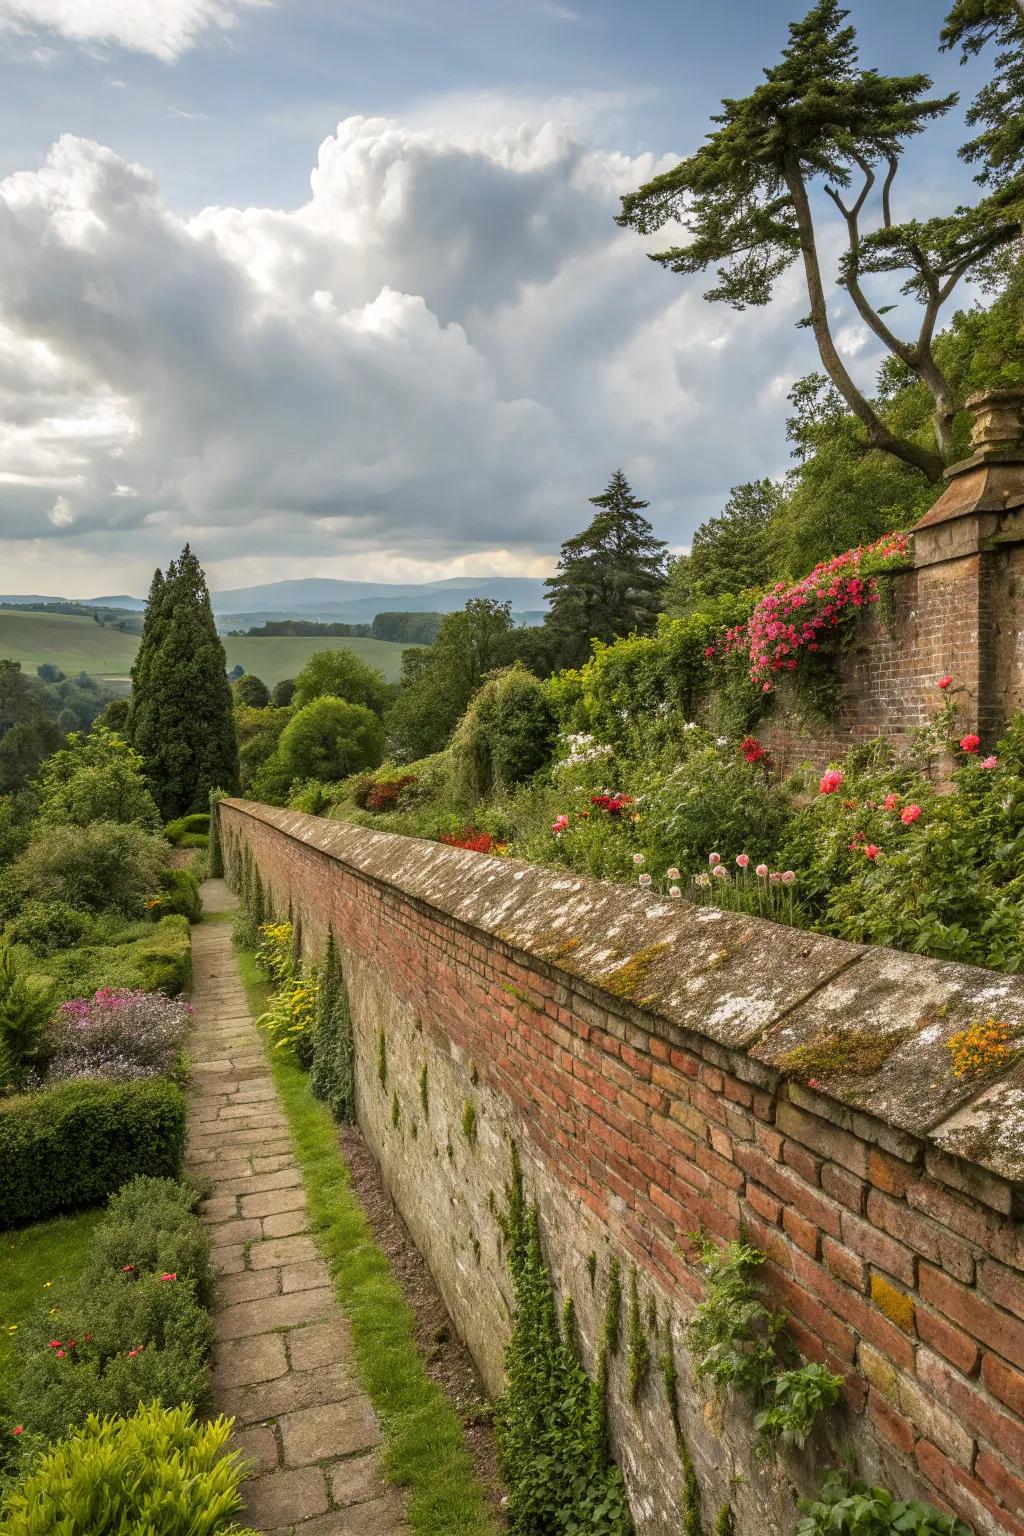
{"points": [[425, 1450]]}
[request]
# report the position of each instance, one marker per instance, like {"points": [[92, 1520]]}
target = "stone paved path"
{"points": [[283, 1361]]}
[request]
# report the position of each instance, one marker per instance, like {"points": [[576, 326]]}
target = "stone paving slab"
{"points": [[283, 1363]]}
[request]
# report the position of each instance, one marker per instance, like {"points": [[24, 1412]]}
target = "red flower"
{"points": [[709, 651], [60, 1354], [19, 1429], [127, 1269], [909, 814], [970, 743], [871, 852], [55, 1344], [830, 782], [944, 682], [891, 802], [170, 1275]]}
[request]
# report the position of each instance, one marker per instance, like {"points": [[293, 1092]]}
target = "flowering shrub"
{"points": [[476, 842], [121, 1035], [384, 794], [274, 954], [789, 622]]}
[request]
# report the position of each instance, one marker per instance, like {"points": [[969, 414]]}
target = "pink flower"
{"points": [[714, 858], [871, 852], [54, 1344], [19, 1429], [891, 802], [672, 873], [674, 891], [909, 814], [127, 1269], [720, 871], [60, 1354], [989, 762], [743, 859], [761, 870], [638, 858], [645, 881], [170, 1275], [559, 825], [970, 743], [709, 651], [787, 877], [944, 682], [133, 1352], [830, 782]]}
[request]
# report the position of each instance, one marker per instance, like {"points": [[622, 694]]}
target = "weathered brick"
{"points": [[828, 1140], [977, 1316], [957, 1347], [1004, 1383]]}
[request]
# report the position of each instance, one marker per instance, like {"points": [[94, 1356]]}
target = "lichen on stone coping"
{"points": [[776, 993]]}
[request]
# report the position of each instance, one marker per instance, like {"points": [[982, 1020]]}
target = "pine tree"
{"points": [[181, 717], [610, 577]]}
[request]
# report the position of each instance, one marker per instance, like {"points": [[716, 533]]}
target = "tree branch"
{"points": [[879, 435], [894, 166]]}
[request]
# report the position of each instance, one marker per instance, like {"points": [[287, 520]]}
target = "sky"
{"points": [[334, 288]]}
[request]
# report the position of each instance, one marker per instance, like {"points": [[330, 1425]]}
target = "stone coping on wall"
{"points": [[752, 987]]}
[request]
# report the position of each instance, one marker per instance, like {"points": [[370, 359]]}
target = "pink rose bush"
{"points": [[117, 1034]]}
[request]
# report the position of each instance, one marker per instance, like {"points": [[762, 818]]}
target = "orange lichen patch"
{"points": [[896, 1304], [982, 1048]]}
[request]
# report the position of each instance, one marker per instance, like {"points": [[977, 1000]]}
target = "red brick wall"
{"points": [[960, 617], [900, 1265]]}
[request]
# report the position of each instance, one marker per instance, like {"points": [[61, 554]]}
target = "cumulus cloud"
{"points": [[164, 28], [427, 366]]}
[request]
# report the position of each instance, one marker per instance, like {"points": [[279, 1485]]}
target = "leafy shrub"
{"points": [[855, 1509], [73, 1145], [119, 1035], [96, 777], [328, 739], [384, 794], [188, 831], [506, 735], [106, 866], [180, 896], [157, 1471], [341, 674], [215, 864], [288, 1022], [45, 926], [141, 957], [312, 796], [26, 1007]]}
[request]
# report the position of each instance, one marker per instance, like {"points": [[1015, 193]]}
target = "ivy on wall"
{"points": [[332, 1075]]}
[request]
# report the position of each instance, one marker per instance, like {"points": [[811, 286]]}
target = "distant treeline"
{"points": [[125, 619], [409, 628]]}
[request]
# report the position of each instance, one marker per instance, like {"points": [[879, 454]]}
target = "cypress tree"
{"points": [[610, 577], [181, 717]]}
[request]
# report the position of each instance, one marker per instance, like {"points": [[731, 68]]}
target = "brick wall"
{"points": [[629, 1047]]}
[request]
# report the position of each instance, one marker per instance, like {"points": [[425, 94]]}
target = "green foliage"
{"points": [[332, 1073], [469, 1123], [106, 866], [158, 1471], [179, 896], [800, 1397], [73, 1145], [998, 109], [215, 847], [439, 680], [382, 1058], [26, 1007], [610, 577], [733, 552], [550, 1423], [180, 713], [283, 693], [327, 739], [289, 1021], [731, 1333], [409, 628], [259, 731], [251, 690], [638, 1351], [855, 1509], [506, 735], [96, 777], [178, 831], [252, 910], [341, 674], [138, 956], [28, 733], [48, 926]]}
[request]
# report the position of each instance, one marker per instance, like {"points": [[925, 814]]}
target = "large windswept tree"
{"points": [[180, 717], [819, 118], [610, 577], [998, 110]]}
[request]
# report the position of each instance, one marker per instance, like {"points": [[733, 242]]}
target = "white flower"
{"points": [[674, 890], [691, 725], [672, 873], [645, 880], [638, 858]]}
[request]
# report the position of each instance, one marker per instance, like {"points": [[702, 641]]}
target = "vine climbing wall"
{"points": [[663, 1070]]}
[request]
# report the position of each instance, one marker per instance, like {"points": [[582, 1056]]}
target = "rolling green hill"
{"points": [[79, 645]]}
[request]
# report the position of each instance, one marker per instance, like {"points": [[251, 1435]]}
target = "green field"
{"points": [[78, 645]]}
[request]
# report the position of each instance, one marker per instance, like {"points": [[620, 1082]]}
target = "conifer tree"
{"points": [[610, 577], [180, 718]]}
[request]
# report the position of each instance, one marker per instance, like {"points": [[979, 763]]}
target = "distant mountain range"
{"points": [[322, 597]]}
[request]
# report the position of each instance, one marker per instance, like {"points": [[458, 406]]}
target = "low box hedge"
{"points": [[73, 1145]]}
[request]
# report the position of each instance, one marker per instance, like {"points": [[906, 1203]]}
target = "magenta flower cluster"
{"points": [[120, 1035], [791, 620]]}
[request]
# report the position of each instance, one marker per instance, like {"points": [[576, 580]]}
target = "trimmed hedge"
{"points": [[75, 1144], [180, 896]]}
